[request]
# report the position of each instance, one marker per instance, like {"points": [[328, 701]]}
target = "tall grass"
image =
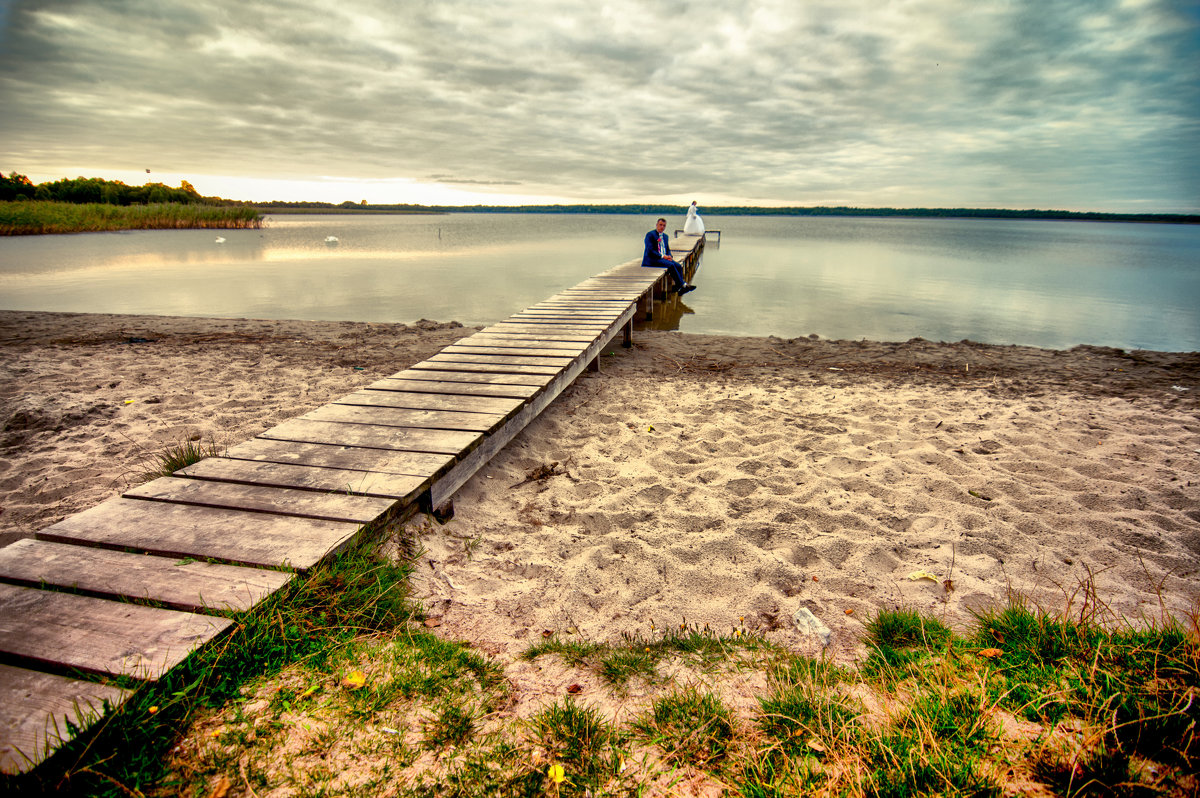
{"points": [[38, 217]]}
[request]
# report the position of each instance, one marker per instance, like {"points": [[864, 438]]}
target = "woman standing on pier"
{"points": [[693, 225]]}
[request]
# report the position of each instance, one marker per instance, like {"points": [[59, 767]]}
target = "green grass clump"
{"points": [[175, 457], [638, 655], [688, 726], [589, 748], [900, 636], [806, 715]]}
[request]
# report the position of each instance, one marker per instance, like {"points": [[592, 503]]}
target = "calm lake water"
{"points": [[1048, 284]]}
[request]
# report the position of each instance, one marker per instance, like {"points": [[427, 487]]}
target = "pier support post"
{"points": [[627, 342]]}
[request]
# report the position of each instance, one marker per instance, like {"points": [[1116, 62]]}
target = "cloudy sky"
{"points": [[1073, 104]]}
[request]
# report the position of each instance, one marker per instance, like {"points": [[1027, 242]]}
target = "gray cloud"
{"points": [[1089, 104]]}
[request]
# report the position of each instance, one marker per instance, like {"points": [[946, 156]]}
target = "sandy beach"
{"points": [[716, 480]]}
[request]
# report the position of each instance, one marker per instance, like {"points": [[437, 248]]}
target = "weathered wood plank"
{"points": [[400, 439], [38, 711], [580, 303], [449, 375], [468, 366], [457, 388], [519, 351], [263, 499], [349, 458], [415, 399], [404, 417], [546, 328], [501, 359], [180, 530], [566, 315], [542, 338], [111, 638], [397, 487], [495, 340], [179, 584]]}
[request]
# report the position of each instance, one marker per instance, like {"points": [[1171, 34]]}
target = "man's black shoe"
{"points": [[686, 289]]}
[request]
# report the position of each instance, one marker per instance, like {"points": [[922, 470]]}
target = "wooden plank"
{"points": [[530, 342], [585, 323], [501, 359], [566, 315], [415, 399], [180, 530], [581, 303], [545, 328], [349, 458], [431, 374], [457, 387], [399, 439], [404, 417], [451, 363], [111, 638], [39, 712], [542, 338], [263, 499], [179, 584], [397, 487], [521, 351]]}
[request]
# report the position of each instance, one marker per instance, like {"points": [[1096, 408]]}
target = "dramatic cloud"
{"points": [[1085, 105]]}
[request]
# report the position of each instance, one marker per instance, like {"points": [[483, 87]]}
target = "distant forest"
{"points": [[85, 190], [82, 190], [731, 210]]}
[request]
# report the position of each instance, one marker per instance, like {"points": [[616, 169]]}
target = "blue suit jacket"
{"points": [[651, 257]]}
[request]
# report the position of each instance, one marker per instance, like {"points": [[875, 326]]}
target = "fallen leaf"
{"points": [[917, 575], [574, 688], [990, 653], [816, 745], [221, 788], [948, 585], [547, 633], [979, 495], [354, 680], [433, 622]]}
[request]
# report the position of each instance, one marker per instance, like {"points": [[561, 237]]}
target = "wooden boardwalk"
{"points": [[226, 533]]}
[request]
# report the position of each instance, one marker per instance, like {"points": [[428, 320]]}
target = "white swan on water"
{"points": [[220, 240], [331, 239]]}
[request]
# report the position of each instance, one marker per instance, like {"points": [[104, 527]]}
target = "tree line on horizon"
{"points": [[84, 190], [88, 190], [733, 210]]}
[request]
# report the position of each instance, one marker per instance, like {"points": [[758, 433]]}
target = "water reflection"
{"points": [[1051, 284]]}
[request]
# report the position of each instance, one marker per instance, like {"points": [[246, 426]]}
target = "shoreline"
{"points": [[706, 477]]}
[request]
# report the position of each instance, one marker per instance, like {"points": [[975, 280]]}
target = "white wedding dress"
{"points": [[693, 225]]}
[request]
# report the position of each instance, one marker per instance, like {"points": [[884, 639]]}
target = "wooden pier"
{"points": [[226, 533]]}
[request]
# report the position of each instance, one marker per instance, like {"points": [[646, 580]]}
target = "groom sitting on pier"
{"points": [[658, 254]]}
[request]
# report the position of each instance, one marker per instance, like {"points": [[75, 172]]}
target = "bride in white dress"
{"points": [[693, 225]]}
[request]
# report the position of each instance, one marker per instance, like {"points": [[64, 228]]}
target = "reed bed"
{"points": [[40, 217]]}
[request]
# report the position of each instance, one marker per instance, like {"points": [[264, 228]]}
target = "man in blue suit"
{"points": [[658, 255]]}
